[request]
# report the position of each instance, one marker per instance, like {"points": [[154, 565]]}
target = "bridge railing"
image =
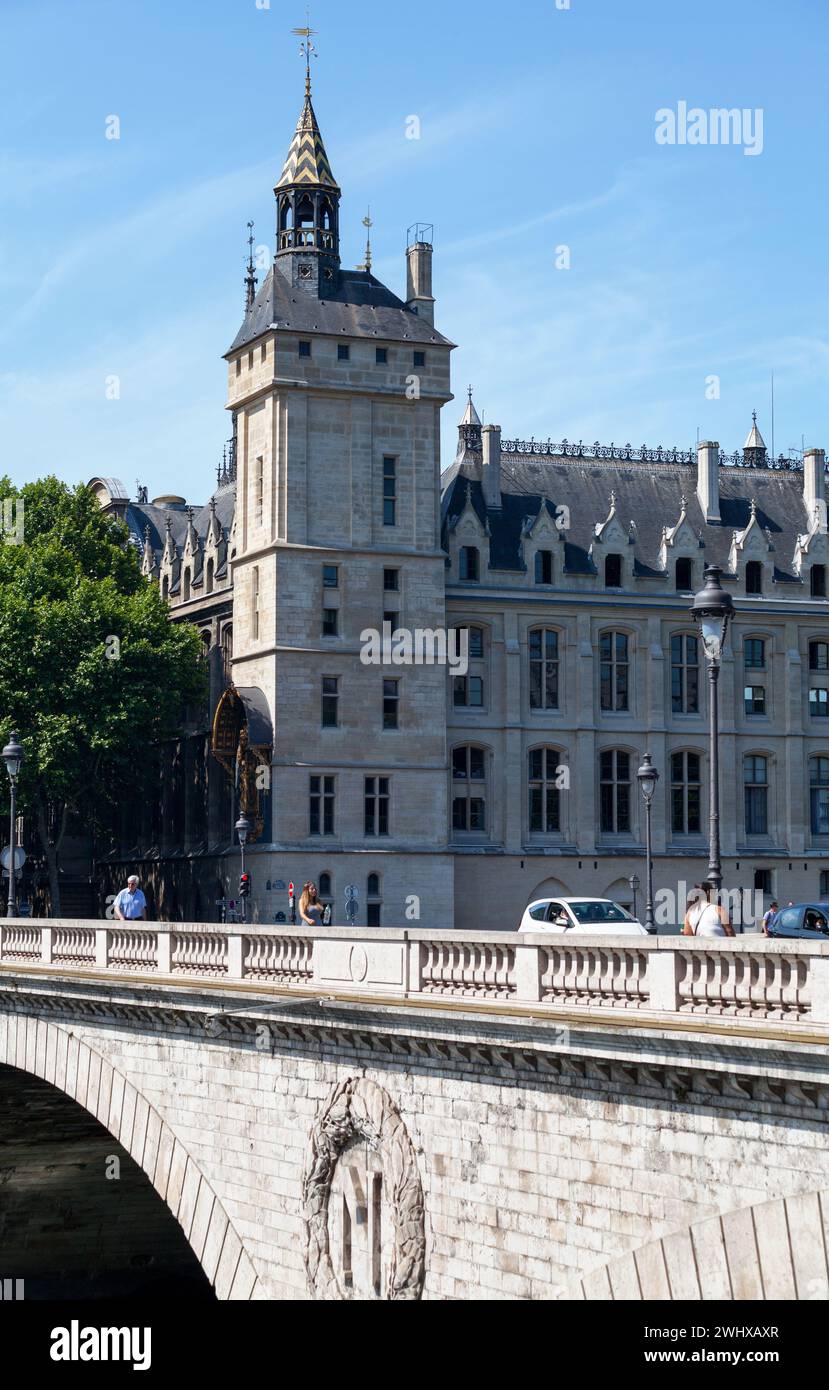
{"points": [[751, 978]]}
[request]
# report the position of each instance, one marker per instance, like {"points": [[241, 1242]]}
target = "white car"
{"points": [[583, 916]]}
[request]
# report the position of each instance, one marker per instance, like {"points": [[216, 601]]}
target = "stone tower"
{"points": [[336, 386]]}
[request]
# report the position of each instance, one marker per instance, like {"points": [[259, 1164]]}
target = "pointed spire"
{"points": [[471, 416], [250, 276], [754, 449], [307, 163]]}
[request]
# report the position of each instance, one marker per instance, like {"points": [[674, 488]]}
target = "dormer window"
{"points": [[817, 576], [754, 577], [544, 567], [613, 572], [469, 563], [684, 576]]}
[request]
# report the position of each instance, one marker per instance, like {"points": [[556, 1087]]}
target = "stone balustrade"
{"points": [[748, 978]]}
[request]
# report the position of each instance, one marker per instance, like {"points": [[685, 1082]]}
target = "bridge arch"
{"points": [[771, 1250], [58, 1056]]}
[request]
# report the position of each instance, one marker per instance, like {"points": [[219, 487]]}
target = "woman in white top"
{"points": [[703, 917]]}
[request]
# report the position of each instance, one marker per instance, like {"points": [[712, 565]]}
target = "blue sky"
{"points": [[537, 130]]}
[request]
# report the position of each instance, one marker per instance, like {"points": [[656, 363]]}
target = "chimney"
{"points": [[491, 472], [708, 479], [419, 273], [814, 484]]}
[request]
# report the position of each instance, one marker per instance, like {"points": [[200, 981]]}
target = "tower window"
{"points": [[391, 581], [381, 356], [343, 352], [330, 701], [684, 576], [613, 572], [754, 577], [389, 491], [544, 567], [330, 577], [376, 806], [254, 603], [391, 704], [420, 359], [330, 622], [817, 576], [305, 349], [468, 563], [259, 483], [321, 805]]}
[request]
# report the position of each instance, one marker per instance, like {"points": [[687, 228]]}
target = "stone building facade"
{"points": [[457, 799]]}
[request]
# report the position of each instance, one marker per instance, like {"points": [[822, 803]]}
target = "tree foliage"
{"points": [[92, 671]]}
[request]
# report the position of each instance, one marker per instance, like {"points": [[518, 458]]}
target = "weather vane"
{"points": [[307, 49]]}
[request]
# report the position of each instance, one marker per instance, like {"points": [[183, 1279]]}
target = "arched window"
{"points": [[286, 215], [469, 563], [325, 885], [374, 901], [469, 789], [819, 795], [686, 794], [614, 791], [205, 637], [756, 784], [185, 586], [754, 577], [544, 791], [613, 572], [543, 650], [817, 578], [684, 673], [614, 670], [209, 579], [819, 656], [684, 576]]}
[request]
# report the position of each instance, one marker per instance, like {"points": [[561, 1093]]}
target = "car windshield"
{"points": [[597, 911]]}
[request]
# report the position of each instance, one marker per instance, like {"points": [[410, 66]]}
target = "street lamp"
{"points": [[713, 609], [635, 885], [12, 757], [243, 829], [648, 777]]}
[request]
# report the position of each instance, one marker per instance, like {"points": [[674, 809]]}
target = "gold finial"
{"points": [[368, 224], [307, 49]]}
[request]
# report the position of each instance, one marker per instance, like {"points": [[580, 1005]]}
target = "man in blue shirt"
{"points": [[130, 905]]}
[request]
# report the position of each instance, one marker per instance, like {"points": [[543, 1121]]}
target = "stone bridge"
{"points": [[250, 1113]]}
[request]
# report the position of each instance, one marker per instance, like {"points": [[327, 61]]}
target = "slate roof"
{"points": [[139, 515], [650, 496], [356, 305]]}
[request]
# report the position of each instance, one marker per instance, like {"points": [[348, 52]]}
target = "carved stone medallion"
{"points": [[361, 1164]]}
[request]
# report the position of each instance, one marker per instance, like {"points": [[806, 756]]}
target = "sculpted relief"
{"points": [[363, 1199]]}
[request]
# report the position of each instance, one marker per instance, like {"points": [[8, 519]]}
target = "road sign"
{"points": [[19, 857]]}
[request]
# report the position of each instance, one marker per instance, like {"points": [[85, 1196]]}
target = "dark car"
{"points": [[809, 921]]}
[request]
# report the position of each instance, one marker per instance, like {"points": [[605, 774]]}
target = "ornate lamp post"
{"points": [[13, 757], [635, 885], [713, 610], [648, 777], [243, 829]]}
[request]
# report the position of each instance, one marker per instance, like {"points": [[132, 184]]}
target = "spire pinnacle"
{"points": [[368, 224], [307, 49], [250, 276]]}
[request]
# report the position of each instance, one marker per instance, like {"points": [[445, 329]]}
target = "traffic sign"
{"points": [[19, 857]]}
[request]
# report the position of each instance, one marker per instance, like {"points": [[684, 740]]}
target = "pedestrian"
{"points": [[310, 909], [704, 917], [773, 907], [131, 905]]}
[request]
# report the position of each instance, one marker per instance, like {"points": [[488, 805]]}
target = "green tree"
{"points": [[92, 671]]}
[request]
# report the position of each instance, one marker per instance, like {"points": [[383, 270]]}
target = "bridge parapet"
{"points": [[752, 979]]}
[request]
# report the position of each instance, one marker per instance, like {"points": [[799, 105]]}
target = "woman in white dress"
{"points": [[704, 917]]}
